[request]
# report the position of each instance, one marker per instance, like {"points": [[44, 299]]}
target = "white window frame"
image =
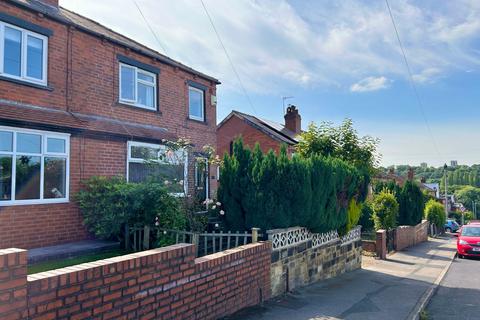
{"points": [[43, 154], [202, 117], [135, 89], [23, 57], [131, 144]]}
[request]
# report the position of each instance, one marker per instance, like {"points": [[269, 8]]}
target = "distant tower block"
{"points": [[453, 163]]}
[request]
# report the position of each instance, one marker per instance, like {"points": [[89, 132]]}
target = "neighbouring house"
{"points": [[77, 100], [252, 129], [391, 176]]}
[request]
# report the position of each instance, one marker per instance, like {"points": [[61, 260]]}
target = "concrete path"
{"points": [[69, 250], [380, 290], [458, 296]]}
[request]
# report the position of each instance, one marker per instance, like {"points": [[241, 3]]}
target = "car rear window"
{"points": [[471, 231]]}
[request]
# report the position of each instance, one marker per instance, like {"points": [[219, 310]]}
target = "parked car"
{"points": [[468, 242], [451, 226]]}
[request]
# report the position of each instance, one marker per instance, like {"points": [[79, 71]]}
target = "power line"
{"points": [[150, 27], [229, 59], [412, 83]]}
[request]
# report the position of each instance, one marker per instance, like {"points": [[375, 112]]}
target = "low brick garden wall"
{"points": [[164, 283], [407, 236], [300, 258]]}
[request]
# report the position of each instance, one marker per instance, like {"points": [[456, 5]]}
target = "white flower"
{"points": [[157, 223], [214, 207], [164, 232], [218, 204], [216, 225], [222, 212]]}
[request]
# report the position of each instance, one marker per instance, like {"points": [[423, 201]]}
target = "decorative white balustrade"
{"points": [[285, 238]]}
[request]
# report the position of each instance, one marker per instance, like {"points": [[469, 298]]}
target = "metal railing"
{"points": [[205, 242]]}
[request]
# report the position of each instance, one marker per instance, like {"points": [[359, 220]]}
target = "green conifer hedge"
{"points": [[271, 191]]}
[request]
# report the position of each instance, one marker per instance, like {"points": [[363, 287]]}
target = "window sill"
{"points": [[198, 121], [26, 83], [123, 104], [32, 202]]}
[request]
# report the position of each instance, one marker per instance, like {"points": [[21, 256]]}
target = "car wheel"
{"points": [[461, 256], [448, 230]]}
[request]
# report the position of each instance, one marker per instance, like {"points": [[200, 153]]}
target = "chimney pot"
{"points": [[293, 120]]}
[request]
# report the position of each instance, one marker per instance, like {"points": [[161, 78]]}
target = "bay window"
{"points": [[33, 166], [158, 163], [23, 54]]}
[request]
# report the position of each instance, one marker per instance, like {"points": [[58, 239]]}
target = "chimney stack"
{"points": [[51, 3], [411, 174], [293, 121]]}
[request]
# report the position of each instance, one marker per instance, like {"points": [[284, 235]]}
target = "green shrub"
{"points": [[411, 204], [353, 214], [435, 213], [385, 210], [107, 204], [274, 191], [366, 217]]}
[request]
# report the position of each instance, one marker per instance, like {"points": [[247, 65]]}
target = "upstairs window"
{"points": [[23, 54], [33, 166], [138, 87], [196, 103]]}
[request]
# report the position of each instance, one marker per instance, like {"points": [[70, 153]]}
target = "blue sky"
{"points": [[337, 58]]}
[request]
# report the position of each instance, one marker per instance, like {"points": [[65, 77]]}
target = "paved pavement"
{"points": [[458, 296], [380, 290]]}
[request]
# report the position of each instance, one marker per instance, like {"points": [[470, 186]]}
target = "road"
{"points": [[458, 296]]}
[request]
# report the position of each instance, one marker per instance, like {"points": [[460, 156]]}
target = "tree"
{"points": [[467, 195], [411, 204], [434, 212], [385, 210], [341, 142]]}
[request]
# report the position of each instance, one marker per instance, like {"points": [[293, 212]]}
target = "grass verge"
{"points": [[67, 262]]}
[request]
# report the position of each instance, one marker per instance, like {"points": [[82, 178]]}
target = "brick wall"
{"points": [[235, 127], [407, 236], [13, 284], [165, 283]]}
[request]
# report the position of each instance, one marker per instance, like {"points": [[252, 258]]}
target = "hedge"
{"points": [[271, 191]]}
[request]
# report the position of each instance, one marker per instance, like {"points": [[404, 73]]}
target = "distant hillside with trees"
{"points": [[458, 176]]}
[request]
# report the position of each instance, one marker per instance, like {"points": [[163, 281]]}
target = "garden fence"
{"points": [[206, 242]]}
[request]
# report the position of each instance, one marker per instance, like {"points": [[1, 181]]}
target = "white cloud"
{"points": [[427, 75], [370, 84], [277, 44]]}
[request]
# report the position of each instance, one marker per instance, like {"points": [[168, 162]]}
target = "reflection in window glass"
{"points": [[6, 141], [171, 175], [5, 177], [145, 77], [54, 180], [146, 95], [195, 103], [28, 142], [12, 56], [127, 83], [27, 178], [55, 145], [34, 57], [145, 153]]}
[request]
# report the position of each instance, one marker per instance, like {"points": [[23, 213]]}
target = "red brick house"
{"points": [[269, 134], [78, 99]]}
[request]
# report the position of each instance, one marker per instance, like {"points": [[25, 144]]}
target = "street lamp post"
{"points": [[446, 190]]}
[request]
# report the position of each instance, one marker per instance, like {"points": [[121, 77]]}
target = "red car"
{"points": [[468, 242]]}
